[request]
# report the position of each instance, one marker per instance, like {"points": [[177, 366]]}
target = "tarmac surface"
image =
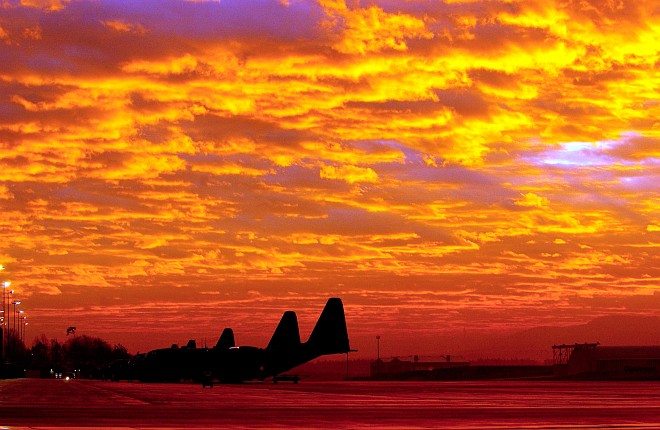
{"points": [[46, 403]]}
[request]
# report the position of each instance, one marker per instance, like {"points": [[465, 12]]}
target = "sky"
{"points": [[171, 167]]}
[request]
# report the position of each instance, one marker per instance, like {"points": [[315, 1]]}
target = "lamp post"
{"points": [[5, 285], [3, 316], [378, 347], [2, 332], [8, 321], [378, 355], [19, 323], [15, 303]]}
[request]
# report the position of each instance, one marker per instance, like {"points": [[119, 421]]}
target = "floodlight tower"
{"points": [[21, 326], [15, 303], [5, 285], [4, 327], [19, 323]]}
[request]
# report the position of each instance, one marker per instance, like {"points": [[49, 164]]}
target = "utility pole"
{"points": [[5, 316], [378, 354], [378, 347], [19, 322], [15, 316], [22, 328]]}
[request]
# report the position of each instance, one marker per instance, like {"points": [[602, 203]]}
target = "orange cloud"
{"points": [[365, 30], [50, 5], [124, 27], [350, 174], [479, 159]]}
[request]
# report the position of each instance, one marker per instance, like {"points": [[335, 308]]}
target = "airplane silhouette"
{"points": [[229, 363]]}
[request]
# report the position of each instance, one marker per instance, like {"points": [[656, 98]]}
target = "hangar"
{"points": [[592, 360]]}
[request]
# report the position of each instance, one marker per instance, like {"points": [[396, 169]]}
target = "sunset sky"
{"points": [[169, 168]]}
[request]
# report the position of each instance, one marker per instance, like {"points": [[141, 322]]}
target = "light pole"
{"points": [[20, 323], [378, 347], [9, 294], [5, 285], [5, 315], [15, 303], [378, 355]]}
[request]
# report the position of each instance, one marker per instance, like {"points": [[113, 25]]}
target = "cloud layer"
{"points": [[459, 163]]}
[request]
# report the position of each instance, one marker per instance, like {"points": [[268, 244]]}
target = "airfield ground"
{"points": [[35, 403]]}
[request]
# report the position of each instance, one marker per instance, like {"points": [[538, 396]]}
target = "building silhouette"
{"points": [[591, 360]]}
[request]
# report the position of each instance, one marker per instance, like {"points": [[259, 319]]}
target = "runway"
{"points": [[38, 403]]}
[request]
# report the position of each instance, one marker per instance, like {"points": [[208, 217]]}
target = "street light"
{"points": [[4, 323], [15, 303], [19, 315], [9, 294], [5, 285], [378, 347], [378, 354], [21, 326]]}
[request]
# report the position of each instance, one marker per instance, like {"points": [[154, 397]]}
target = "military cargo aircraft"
{"points": [[228, 363]]}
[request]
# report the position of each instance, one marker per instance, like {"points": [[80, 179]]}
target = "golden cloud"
{"points": [[509, 150], [348, 173]]}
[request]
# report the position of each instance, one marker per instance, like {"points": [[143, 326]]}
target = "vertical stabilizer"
{"points": [[287, 334], [330, 335], [226, 340]]}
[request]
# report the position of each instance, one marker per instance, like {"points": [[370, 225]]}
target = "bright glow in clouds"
{"points": [[173, 166], [599, 153]]}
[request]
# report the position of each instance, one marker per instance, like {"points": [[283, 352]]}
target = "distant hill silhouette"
{"points": [[537, 341]]}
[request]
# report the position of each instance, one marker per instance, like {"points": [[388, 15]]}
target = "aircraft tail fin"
{"points": [[287, 334], [226, 339], [330, 336]]}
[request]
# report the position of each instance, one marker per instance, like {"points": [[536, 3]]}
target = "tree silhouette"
{"points": [[87, 354], [15, 351]]}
